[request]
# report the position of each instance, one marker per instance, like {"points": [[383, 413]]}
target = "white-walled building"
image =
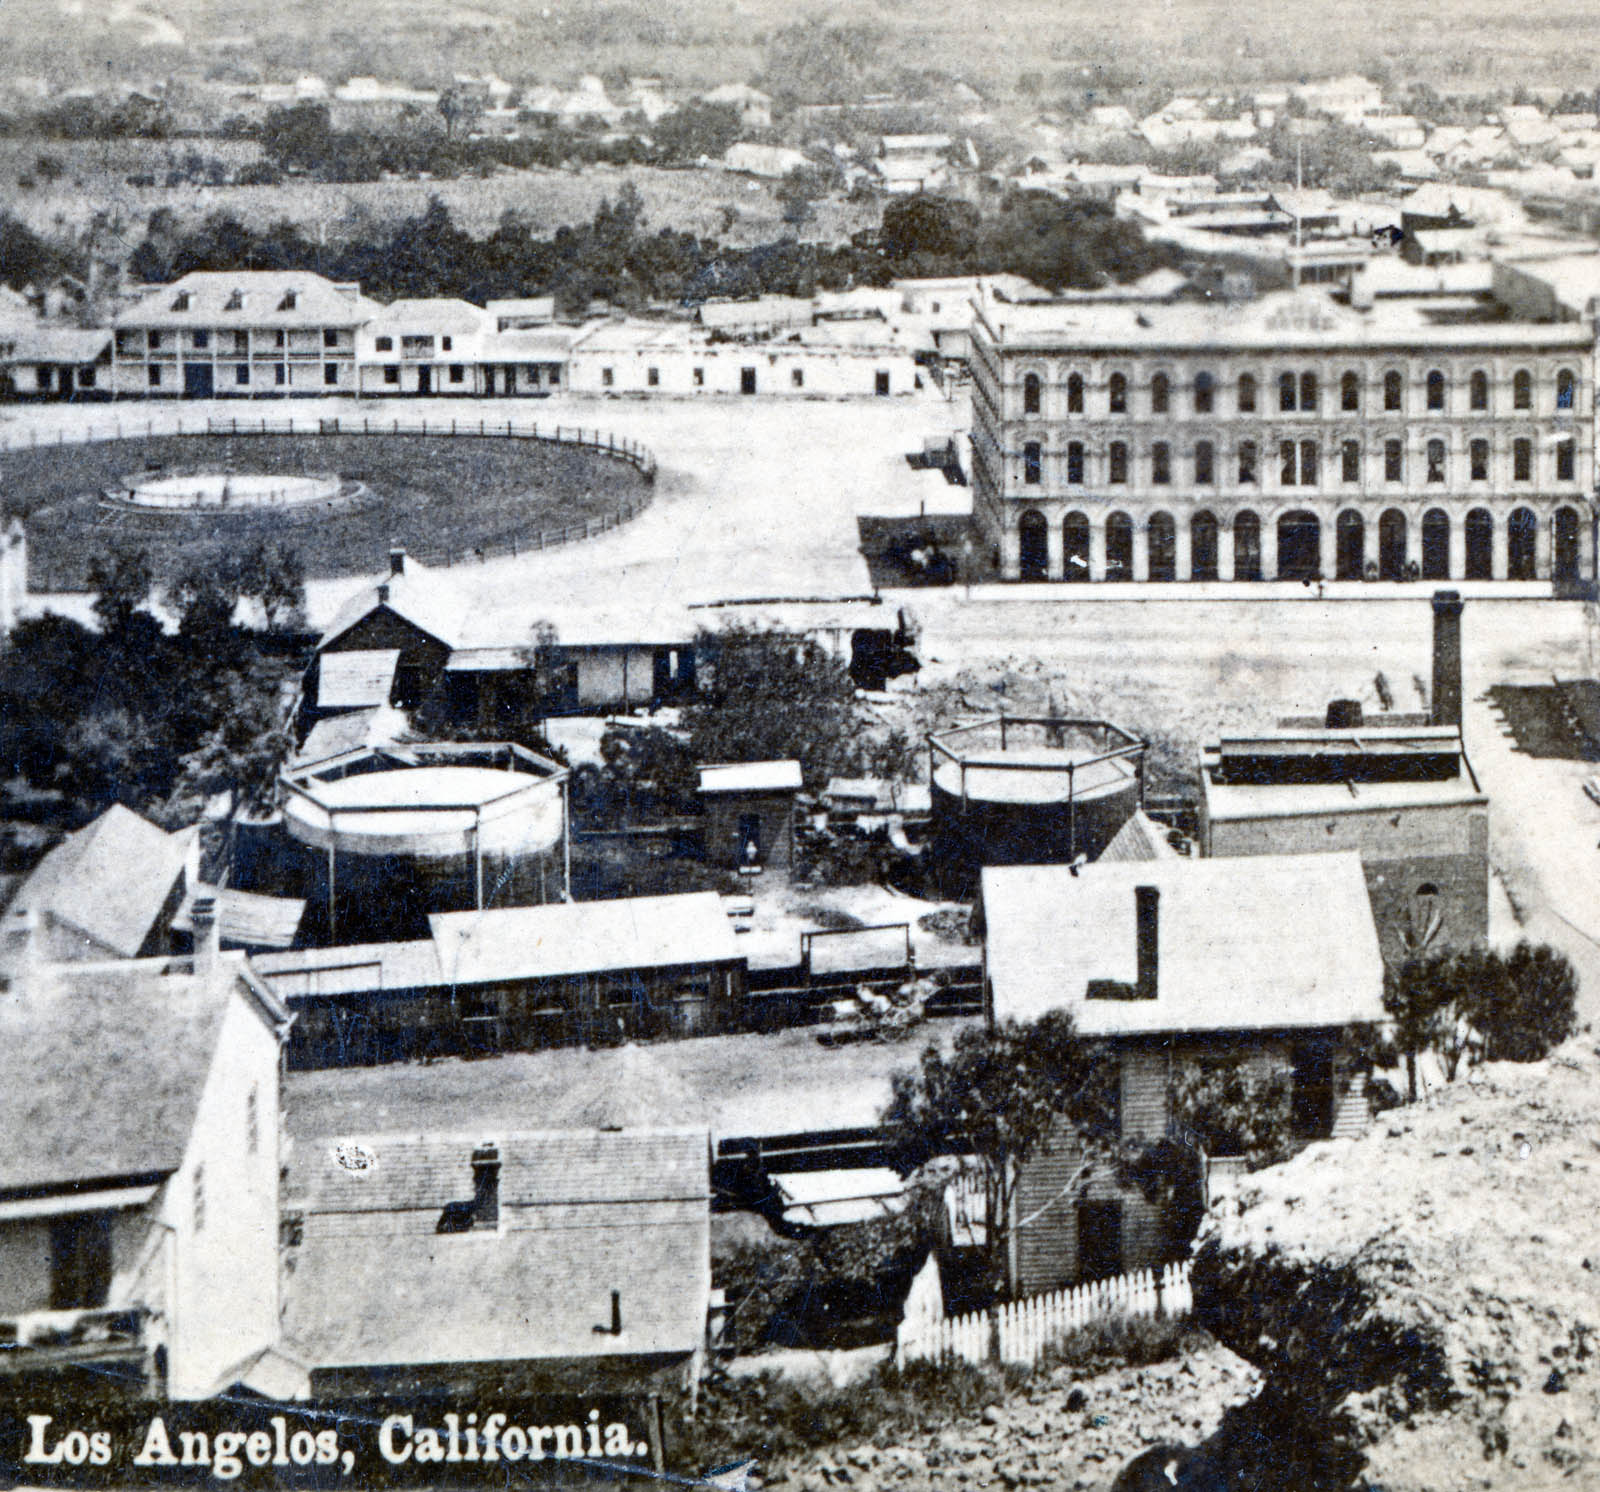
{"points": [[240, 334]]}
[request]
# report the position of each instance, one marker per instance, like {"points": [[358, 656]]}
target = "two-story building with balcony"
{"points": [[139, 1104], [240, 334], [1290, 438]]}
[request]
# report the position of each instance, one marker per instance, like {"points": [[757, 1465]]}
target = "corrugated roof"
{"points": [[1247, 943], [583, 937], [581, 1214], [751, 777], [246, 919], [357, 679], [103, 887], [272, 298], [101, 1069]]}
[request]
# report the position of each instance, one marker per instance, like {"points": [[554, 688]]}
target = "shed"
{"points": [[749, 814]]}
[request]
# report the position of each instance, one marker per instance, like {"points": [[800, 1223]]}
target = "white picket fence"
{"points": [[1027, 1328]]}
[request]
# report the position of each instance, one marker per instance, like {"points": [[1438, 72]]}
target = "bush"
{"points": [[1122, 1342]]}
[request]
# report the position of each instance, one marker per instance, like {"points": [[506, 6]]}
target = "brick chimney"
{"points": [[1447, 658], [397, 562], [207, 933], [1147, 934]]}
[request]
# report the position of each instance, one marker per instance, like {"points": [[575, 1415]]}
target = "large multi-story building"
{"points": [[1287, 438], [259, 332]]}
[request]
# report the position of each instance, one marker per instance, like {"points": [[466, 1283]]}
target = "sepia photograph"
{"points": [[814, 747]]}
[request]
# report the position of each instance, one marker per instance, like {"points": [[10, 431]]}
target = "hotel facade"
{"points": [[1290, 438]]}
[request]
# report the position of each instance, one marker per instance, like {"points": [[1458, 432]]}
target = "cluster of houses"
{"points": [[282, 334], [137, 1197]]}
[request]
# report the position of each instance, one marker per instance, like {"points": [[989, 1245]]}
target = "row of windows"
{"points": [[1299, 462], [155, 375], [1299, 546], [417, 344], [240, 341], [1301, 392]]}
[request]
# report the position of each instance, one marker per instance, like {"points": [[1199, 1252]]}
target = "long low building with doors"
{"points": [[1291, 437]]}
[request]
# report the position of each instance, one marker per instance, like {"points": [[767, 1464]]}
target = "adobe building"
{"points": [[749, 815]]}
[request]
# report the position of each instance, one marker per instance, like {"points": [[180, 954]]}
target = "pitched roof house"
{"points": [[110, 889], [1270, 961], [139, 1101], [581, 1257]]}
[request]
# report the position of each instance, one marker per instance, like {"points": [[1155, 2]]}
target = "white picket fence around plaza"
{"points": [[1027, 1328]]}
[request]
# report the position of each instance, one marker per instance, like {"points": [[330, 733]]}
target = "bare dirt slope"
{"points": [[1423, 1304]]}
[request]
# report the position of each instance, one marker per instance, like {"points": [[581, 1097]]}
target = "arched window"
{"points": [[1522, 461], [1160, 393], [1350, 392], [1031, 394], [1565, 556], [1435, 544], [1162, 537], [1117, 462], [1436, 388], [1032, 463], [1246, 546], [1249, 463], [1075, 547], [1075, 463], [1566, 389], [1119, 547], [1392, 545], [1350, 461], [1203, 546], [1286, 391], [1566, 460], [1204, 391], [1478, 390], [1522, 389], [1033, 546], [1394, 388], [1478, 459], [1205, 463], [1117, 393], [1350, 546], [1308, 391], [1522, 532], [1480, 545], [1299, 546], [1160, 463], [1436, 467], [1075, 393], [1247, 393]]}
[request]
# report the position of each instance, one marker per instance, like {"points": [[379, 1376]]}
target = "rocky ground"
{"points": [[1066, 1428], [1423, 1304]]}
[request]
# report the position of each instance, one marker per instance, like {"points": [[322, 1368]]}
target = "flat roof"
{"points": [[1288, 319], [1228, 801], [751, 777]]}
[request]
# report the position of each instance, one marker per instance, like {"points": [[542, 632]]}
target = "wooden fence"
{"points": [[636, 455], [1025, 1329]]}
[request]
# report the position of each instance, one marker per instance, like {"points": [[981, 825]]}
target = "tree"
{"points": [[1481, 1005], [766, 696], [944, 229], [274, 578], [459, 108], [694, 130], [121, 584], [797, 194], [1004, 1095]]}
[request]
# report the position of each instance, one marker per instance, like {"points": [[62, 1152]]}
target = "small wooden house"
{"points": [[1271, 961], [749, 814]]}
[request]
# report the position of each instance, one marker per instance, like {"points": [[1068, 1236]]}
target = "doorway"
{"points": [[747, 380]]}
